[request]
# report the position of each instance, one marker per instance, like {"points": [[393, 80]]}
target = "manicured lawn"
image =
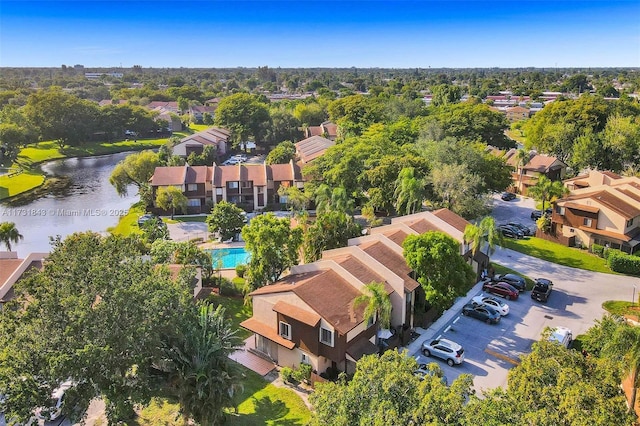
{"points": [[266, 404], [236, 310], [17, 184], [515, 135], [557, 253], [621, 308], [128, 224], [261, 403]]}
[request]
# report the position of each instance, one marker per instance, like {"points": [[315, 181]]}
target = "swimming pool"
{"points": [[229, 257]]}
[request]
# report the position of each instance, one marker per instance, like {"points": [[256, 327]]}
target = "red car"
{"points": [[501, 289]]}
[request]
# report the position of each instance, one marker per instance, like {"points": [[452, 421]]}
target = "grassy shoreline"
{"points": [[33, 155]]}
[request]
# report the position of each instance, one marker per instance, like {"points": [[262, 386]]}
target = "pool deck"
{"points": [[220, 245]]}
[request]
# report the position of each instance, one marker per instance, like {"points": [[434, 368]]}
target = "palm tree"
{"points": [[323, 198], [203, 378], [378, 304], [522, 157], [545, 190], [9, 234], [624, 345], [335, 199], [485, 232], [409, 192]]}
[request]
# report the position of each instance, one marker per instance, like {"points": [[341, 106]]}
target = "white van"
{"points": [[561, 335]]}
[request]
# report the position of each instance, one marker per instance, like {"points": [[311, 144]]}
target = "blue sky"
{"points": [[300, 33]]}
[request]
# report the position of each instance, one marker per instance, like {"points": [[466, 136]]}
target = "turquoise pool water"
{"points": [[230, 257]]}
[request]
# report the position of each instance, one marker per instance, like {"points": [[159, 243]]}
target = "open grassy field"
{"points": [[128, 224], [557, 253]]}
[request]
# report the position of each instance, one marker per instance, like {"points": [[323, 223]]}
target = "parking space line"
{"points": [[502, 357]]}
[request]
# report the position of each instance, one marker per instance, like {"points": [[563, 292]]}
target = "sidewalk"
{"points": [[436, 328]]}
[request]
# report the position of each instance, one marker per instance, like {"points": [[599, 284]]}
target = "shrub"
{"points": [[286, 374], [597, 249], [240, 270], [610, 252], [624, 263], [303, 373], [227, 288]]}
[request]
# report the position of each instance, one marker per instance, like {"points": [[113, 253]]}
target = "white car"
{"points": [[495, 303], [562, 335], [444, 349], [54, 411]]}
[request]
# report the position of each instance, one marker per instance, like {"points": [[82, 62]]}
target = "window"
{"points": [[246, 184], [218, 191], [193, 202], [560, 210], [233, 185], [305, 359], [326, 336], [261, 190], [192, 187], [371, 321], [630, 222], [586, 222], [285, 330]]}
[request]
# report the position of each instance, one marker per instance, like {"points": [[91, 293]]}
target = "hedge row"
{"points": [[622, 262]]}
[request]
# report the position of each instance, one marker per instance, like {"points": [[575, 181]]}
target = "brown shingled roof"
{"points": [[332, 298], [361, 271], [422, 225], [452, 219], [310, 318], [284, 172], [313, 147], [165, 176], [623, 208], [287, 283], [196, 174], [9, 266], [393, 261], [396, 235], [265, 330], [255, 173]]}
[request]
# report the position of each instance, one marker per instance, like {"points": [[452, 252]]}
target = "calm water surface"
{"points": [[89, 203]]}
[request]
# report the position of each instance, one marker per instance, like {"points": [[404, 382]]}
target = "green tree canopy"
{"points": [[440, 269], [171, 198], [282, 153], [245, 115], [136, 169], [96, 314], [329, 230], [273, 245], [9, 234], [226, 219], [546, 190]]}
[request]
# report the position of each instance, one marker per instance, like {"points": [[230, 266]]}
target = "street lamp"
{"points": [[633, 298]]}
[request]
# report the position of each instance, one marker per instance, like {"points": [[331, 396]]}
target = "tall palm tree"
{"points": [[625, 345], [323, 198], [9, 234], [545, 190], [203, 378], [335, 199], [409, 193], [378, 304], [522, 156], [485, 233]]}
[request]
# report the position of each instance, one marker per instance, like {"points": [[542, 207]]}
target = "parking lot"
{"points": [[575, 302]]}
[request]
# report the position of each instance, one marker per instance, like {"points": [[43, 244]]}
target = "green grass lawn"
{"points": [[515, 135], [557, 253], [236, 310], [261, 403], [18, 184], [621, 308], [128, 224]]}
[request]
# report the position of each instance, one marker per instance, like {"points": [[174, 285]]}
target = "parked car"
{"points": [[541, 289], [537, 214], [54, 411], [230, 162], [525, 229], [146, 217], [482, 312], [242, 158], [445, 349], [562, 335], [495, 303], [515, 280], [501, 289], [508, 196], [430, 370], [510, 232]]}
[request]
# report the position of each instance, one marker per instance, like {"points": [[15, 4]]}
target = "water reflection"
{"points": [[89, 202]]}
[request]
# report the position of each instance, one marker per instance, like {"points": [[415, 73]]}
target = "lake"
{"points": [[88, 203]]}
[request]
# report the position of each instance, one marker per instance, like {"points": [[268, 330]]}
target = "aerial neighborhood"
{"points": [[319, 245]]}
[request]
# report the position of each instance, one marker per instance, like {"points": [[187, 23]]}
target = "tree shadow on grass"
{"points": [[267, 411]]}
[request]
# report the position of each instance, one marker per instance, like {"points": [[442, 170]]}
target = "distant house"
{"points": [[602, 208], [327, 129], [171, 106], [311, 148], [517, 113], [12, 270], [193, 181], [216, 136], [249, 186], [527, 175], [196, 112], [308, 316]]}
